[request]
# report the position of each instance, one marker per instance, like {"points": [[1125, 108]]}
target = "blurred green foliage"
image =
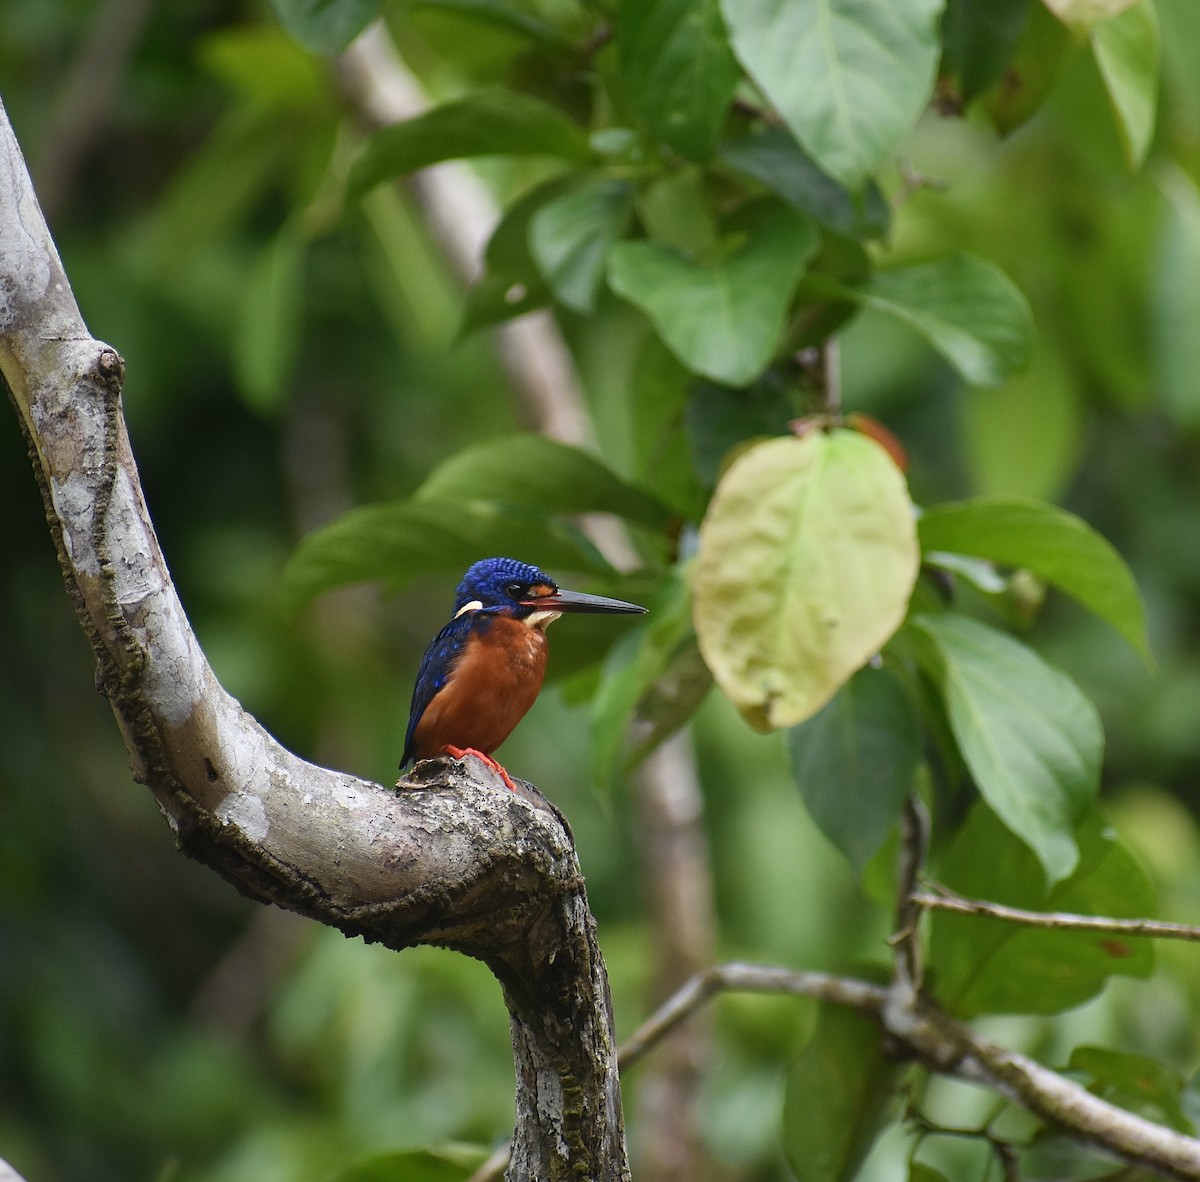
{"points": [[291, 357]]}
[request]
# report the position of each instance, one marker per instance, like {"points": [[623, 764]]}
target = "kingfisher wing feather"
{"points": [[437, 666]]}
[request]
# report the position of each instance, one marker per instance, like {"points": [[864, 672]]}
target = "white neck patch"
{"points": [[474, 606]]}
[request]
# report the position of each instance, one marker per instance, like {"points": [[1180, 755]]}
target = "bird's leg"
{"points": [[463, 752]]}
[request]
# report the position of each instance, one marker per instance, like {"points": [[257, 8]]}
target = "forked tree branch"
{"points": [[450, 857]]}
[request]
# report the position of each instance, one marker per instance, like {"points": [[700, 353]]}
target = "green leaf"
{"points": [[855, 761], [538, 474], [1126, 48], [1031, 740], [493, 123], [570, 235], [661, 459], [773, 158], [717, 419], [268, 330], [1176, 299], [807, 558], [982, 966], [1031, 72], [980, 38], [636, 662], [670, 701], [678, 70], [402, 540], [1055, 1157], [326, 26], [965, 307], [676, 210], [837, 1097], [1135, 1082], [511, 284], [848, 78], [724, 320], [451, 1163], [1049, 542]]}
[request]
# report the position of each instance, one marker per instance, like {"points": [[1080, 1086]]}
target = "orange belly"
{"points": [[492, 688]]}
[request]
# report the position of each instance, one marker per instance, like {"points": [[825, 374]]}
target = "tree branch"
{"points": [[944, 899], [447, 858], [941, 1043]]}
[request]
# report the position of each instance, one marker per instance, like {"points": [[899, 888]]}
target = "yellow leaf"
{"points": [[808, 555]]}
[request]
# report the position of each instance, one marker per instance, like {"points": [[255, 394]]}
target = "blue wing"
{"points": [[437, 665]]}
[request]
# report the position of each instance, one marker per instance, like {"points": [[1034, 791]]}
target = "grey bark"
{"points": [[448, 857]]}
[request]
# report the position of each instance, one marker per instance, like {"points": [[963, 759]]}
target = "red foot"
{"points": [[463, 752]]}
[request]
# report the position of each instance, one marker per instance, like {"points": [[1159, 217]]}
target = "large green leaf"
{"points": [[723, 320], [807, 558], [493, 123], [965, 307], [403, 540], [1030, 738], [540, 475], [837, 1097], [774, 158], [570, 235], [1126, 48], [855, 761], [326, 26], [848, 78], [678, 69], [1053, 544], [980, 965]]}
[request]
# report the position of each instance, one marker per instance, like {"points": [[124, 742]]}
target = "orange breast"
{"points": [[493, 686]]}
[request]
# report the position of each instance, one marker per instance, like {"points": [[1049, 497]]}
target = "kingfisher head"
{"points": [[504, 586]]}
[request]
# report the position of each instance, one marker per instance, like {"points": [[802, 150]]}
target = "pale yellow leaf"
{"points": [[808, 555]]}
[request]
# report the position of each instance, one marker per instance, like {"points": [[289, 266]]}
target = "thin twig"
{"points": [[491, 1169], [946, 900], [746, 978]]}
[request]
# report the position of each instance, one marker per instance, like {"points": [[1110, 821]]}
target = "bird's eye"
{"points": [[516, 590]]}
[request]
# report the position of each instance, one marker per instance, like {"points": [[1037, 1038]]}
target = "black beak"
{"points": [[576, 601]]}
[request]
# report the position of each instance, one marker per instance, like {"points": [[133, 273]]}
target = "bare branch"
{"points": [[943, 1044], [448, 857], [946, 900]]}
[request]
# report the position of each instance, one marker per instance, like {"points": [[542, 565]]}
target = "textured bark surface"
{"points": [[447, 857]]}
